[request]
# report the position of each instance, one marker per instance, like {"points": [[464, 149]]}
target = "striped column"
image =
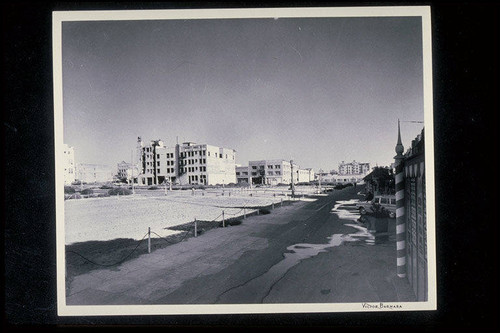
{"points": [[400, 221]]}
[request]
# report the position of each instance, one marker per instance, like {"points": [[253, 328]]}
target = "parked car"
{"points": [[383, 202]]}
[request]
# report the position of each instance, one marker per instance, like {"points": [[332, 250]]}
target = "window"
{"points": [[220, 155], [254, 167], [278, 172], [157, 155], [254, 173], [245, 173], [277, 166], [208, 153], [159, 171], [158, 163], [383, 200], [269, 166], [237, 173], [270, 173]]}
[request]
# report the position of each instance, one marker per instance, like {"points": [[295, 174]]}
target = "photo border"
{"points": [[174, 309]]}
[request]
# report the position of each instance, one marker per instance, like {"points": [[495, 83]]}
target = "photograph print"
{"points": [[272, 160]]}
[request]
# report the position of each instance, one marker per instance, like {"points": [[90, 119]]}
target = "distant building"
{"points": [[354, 168], [273, 172], [243, 174], [69, 165], [95, 173], [127, 171], [185, 164]]}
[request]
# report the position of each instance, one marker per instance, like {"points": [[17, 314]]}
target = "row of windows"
{"points": [[193, 169], [270, 166], [201, 160], [194, 152]]}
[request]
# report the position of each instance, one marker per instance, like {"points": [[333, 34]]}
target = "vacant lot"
{"points": [[101, 219]]}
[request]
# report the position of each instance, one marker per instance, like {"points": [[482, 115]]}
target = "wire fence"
{"points": [[186, 233], [114, 264]]}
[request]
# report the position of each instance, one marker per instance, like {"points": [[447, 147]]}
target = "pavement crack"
{"points": [[274, 283]]}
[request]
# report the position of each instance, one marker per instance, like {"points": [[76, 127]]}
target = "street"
{"points": [[303, 253]]}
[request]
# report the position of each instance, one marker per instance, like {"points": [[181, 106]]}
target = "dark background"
{"points": [[465, 79]]}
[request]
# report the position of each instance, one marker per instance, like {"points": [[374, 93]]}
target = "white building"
{"points": [[354, 168], [95, 173], [69, 165], [127, 171], [273, 172], [185, 164]]}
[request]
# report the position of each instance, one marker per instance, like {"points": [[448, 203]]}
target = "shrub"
{"points": [[106, 187], [87, 191], [230, 223], [153, 188], [119, 191], [69, 190]]}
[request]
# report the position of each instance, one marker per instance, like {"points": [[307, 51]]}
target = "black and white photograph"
{"points": [[232, 161]]}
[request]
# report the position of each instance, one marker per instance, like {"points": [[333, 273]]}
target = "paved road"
{"points": [[302, 253]]}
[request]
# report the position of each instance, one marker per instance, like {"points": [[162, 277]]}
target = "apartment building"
{"points": [[69, 164], [127, 170], [354, 168], [188, 163], [273, 172]]}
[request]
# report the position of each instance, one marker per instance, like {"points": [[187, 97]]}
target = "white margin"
{"points": [[383, 11]]}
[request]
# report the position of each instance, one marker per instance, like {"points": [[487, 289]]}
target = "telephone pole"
{"points": [[292, 185]]}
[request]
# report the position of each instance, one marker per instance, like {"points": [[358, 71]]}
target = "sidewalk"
{"points": [[262, 260]]}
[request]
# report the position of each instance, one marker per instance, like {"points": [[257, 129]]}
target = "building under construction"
{"points": [[188, 163]]}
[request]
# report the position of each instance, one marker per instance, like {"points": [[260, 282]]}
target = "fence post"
{"points": [[149, 239], [223, 221], [281, 203], [195, 228]]}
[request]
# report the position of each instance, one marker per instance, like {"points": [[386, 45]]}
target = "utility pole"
{"points": [[292, 185]]}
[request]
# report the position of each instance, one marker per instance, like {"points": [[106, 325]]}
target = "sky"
{"points": [[315, 90]]}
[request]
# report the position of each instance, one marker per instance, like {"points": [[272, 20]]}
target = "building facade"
{"points": [[411, 215], [243, 175], [127, 171], [354, 168], [95, 173], [185, 164], [69, 164], [273, 172]]}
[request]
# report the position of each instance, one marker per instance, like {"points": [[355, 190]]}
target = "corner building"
{"points": [[185, 164]]}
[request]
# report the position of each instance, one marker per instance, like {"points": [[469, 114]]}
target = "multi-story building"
{"points": [[354, 168], [95, 173], [69, 165], [127, 170], [243, 174], [183, 164], [273, 172]]}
